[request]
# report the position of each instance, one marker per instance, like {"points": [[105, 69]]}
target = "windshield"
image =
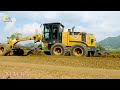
{"points": [[47, 32], [47, 29], [61, 29]]}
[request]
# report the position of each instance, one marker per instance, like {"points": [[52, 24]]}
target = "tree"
{"points": [[40, 46], [100, 47], [15, 36], [12, 36]]}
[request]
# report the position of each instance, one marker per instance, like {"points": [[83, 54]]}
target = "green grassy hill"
{"points": [[111, 42]]}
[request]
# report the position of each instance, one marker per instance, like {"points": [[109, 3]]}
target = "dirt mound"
{"points": [[111, 56]]}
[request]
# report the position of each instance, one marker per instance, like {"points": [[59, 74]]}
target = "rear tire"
{"points": [[78, 50], [58, 49], [4, 49]]}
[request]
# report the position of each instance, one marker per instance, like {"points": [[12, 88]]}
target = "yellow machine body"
{"points": [[36, 38], [70, 40]]}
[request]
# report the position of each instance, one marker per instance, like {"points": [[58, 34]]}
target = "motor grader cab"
{"points": [[52, 34], [58, 42]]}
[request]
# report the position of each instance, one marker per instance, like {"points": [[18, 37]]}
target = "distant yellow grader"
{"points": [[57, 42]]}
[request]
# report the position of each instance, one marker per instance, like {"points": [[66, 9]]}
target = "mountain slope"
{"points": [[112, 42]]}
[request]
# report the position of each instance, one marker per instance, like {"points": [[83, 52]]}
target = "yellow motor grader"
{"points": [[57, 41]]}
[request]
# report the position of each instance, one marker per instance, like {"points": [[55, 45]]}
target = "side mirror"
{"points": [[73, 30]]}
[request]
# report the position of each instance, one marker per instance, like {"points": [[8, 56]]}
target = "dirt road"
{"points": [[53, 67]]}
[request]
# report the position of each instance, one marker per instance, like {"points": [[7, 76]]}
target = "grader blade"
{"points": [[102, 52]]}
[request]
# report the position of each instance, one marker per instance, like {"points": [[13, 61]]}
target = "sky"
{"points": [[102, 24]]}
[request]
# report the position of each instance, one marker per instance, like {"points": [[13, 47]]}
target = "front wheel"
{"points": [[4, 49], [58, 49]]}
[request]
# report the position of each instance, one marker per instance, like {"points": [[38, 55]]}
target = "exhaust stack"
{"points": [[73, 30]]}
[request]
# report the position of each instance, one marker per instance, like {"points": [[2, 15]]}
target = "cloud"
{"points": [[101, 23], [26, 30], [36, 15], [29, 29], [50, 15]]}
